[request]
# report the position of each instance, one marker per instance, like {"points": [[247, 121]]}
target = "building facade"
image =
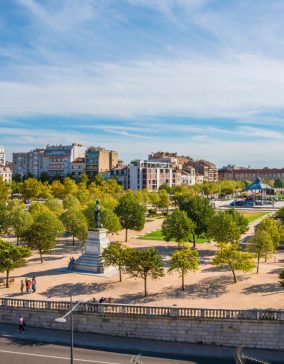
{"points": [[2, 156], [78, 167], [57, 159], [250, 174], [5, 174], [28, 163], [100, 160]]}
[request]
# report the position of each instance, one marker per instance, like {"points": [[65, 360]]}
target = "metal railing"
{"points": [[147, 311]]}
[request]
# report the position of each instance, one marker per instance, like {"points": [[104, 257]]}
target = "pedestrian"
{"points": [[27, 285], [34, 284], [21, 324], [109, 300], [22, 286]]}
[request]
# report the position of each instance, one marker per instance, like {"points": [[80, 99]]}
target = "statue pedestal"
{"points": [[91, 260]]}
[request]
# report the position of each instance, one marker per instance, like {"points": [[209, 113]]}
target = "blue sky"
{"points": [[204, 78]]}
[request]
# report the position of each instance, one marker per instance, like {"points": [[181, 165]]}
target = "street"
{"points": [[19, 351]]}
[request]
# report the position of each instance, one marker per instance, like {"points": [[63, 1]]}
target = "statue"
{"points": [[97, 215]]}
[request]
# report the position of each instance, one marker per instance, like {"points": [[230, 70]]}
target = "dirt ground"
{"points": [[206, 288]]}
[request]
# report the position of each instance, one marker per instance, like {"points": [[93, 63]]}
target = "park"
{"points": [[205, 285]]}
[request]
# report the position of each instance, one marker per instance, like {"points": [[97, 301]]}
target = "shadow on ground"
{"points": [[76, 289], [263, 288]]}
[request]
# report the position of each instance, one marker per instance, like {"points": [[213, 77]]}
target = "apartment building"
{"points": [[28, 163], [100, 160], [78, 167], [207, 169], [5, 174], [57, 159], [2, 156], [250, 174]]}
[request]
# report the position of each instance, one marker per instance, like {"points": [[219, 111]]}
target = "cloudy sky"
{"points": [[204, 78]]}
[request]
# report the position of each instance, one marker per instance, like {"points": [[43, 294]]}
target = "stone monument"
{"points": [[91, 259]]}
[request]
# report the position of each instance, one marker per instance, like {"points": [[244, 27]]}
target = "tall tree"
{"points": [[110, 221], [184, 261], [130, 213], [70, 186], [43, 232], [70, 201], [5, 191], [55, 205], [261, 245], [11, 257], [163, 202], [200, 211], [241, 221], [178, 227], [31, 188], [75, 224], [274, 228], [115, 255], [223, 228], [229, 255], [144, 263], [19, 221]]}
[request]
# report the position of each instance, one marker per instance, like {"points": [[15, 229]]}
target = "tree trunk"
{"points": [[41, 260], [194, 241], [73, 240], [182, 281], [17, 240], [120, 275], [126, 235], [7, 279], [145, 287], [234, 274], [257, 267]]}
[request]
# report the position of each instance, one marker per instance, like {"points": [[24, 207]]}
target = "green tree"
{"points": [[55, 205], [130, 213], [37, 207], [70, 186], [223, 228], [75, 223], [241, 221], [57, 189], [274, 228], [178, 227], [144, 263], [261, 245], [11, 257], [184, 261], [19, 221], [200, 211], [279, 183], [3, 216], [43, 232], [5, 191], [110, 221], [229, 255], [115, 255], [31, 189], [163, 202], [70, 201], [280, 213]]}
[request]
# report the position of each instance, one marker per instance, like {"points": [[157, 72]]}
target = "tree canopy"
{"points": [[178, 227]]}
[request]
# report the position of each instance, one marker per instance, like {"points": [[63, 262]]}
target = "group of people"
{"points": [[102, 300], [72, 260], [28, 285]]}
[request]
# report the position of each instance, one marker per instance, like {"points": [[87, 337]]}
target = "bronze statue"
{"points": [[97, 215]]}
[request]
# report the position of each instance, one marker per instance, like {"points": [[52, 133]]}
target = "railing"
{"points": [[147, 311]]}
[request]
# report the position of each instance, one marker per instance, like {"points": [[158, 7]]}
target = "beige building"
{"points": [[78, 167], [100, 160], [2, 156], [6, 174]]}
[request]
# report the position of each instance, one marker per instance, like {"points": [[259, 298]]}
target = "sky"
{"points": [[203, 78]]}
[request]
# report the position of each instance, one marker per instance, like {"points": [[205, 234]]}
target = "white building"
{"points": [[2, 156], [6, 174], [57, 159]]}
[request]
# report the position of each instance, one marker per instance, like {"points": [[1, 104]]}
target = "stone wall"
{"points": [[254, 333]]}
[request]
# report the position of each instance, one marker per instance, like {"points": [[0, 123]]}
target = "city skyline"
{"points": [[203, 78]]}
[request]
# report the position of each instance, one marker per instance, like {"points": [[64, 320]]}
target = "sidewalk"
{"points": [[130, 345]]}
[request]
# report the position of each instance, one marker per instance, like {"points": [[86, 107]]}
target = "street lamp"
{"points": [[62, 320]]}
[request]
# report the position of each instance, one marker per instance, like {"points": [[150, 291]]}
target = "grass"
{"points": [[253, 215], [157, 235]]}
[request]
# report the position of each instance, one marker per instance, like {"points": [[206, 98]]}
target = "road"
{"points": [[19, 351]]}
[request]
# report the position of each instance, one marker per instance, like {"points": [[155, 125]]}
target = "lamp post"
{"points": [[63, 320]]}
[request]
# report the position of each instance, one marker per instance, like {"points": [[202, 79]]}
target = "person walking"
{"points": [[34, 285], [22, 287], [27, 285], [21, 324]]}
